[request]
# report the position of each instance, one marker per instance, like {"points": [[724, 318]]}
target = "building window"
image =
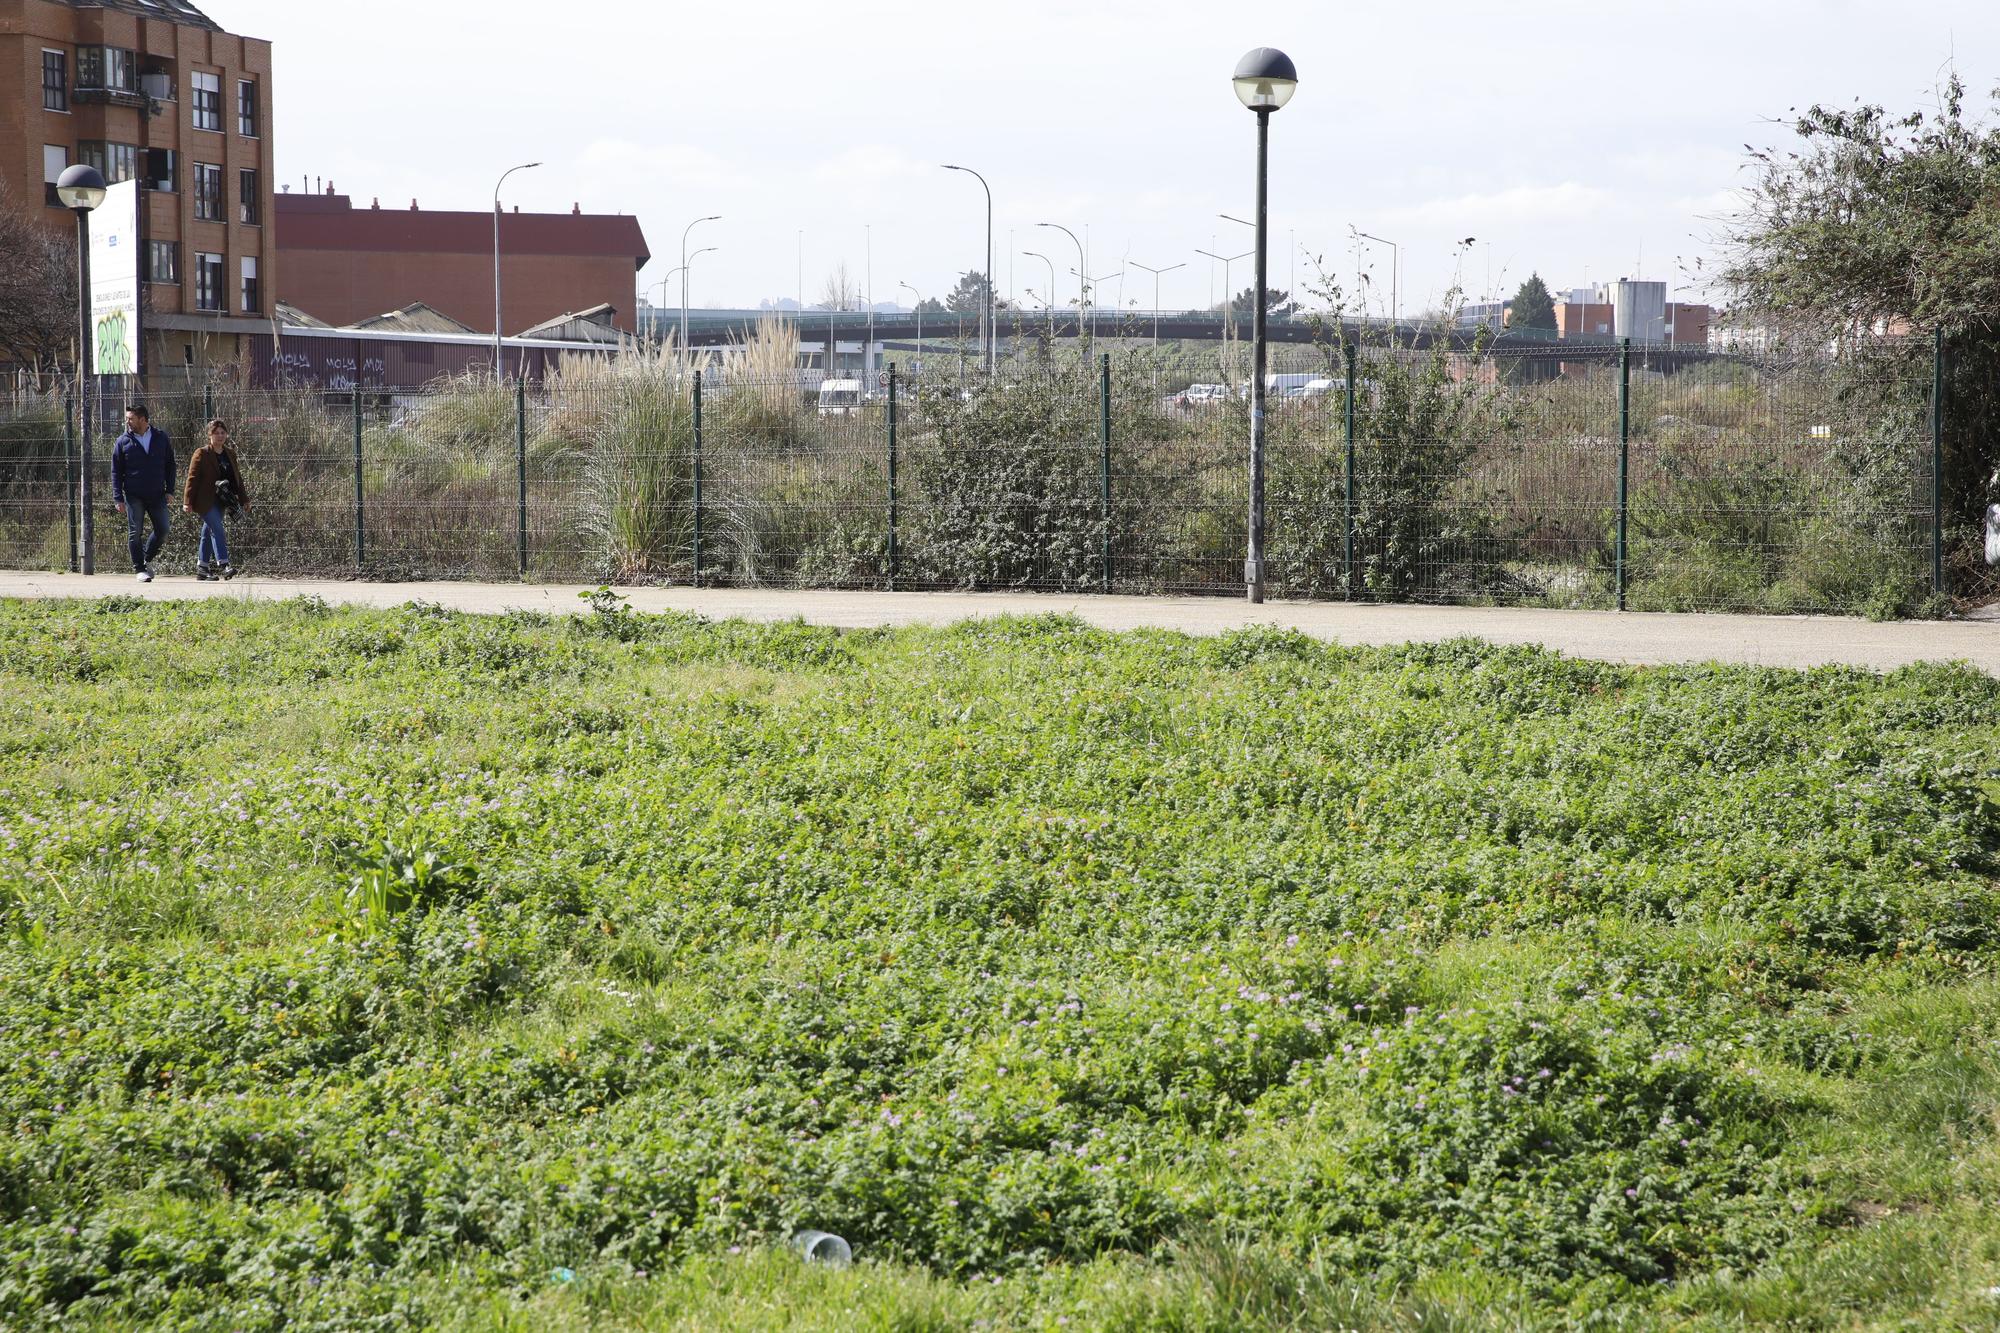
{"points": [[55, 81], [163, 170], [208, 102], [207, 192], [246, 108], [208, 281], [249, 199], [163, 261], [55, 158], [109, 68], [118, 161], [250, 302]]}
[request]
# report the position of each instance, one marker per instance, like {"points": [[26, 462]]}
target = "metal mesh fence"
{"points": [[1551, 475]]}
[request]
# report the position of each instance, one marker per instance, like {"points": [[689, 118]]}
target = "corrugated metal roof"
{"points": [[173, 11], [415, 317], [331, 222]]}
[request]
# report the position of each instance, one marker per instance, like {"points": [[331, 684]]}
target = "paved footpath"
{"points": [[1791, 641]]}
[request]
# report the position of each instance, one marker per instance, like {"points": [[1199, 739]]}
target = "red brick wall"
{"points": [[342, 286]]}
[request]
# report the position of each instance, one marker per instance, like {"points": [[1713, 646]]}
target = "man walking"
{"points": [[142, 476]]}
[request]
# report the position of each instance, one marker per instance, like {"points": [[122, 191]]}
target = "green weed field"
{"points": [[392, 969]]}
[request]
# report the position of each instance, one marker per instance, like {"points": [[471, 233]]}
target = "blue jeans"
{"points": [[136, 512], [214, 544]]}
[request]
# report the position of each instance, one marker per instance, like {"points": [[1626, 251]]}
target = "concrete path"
{"points": [[1791, 641]]}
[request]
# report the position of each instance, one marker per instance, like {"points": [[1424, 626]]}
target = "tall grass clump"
{"points": [[626, 424], [799, 496]]}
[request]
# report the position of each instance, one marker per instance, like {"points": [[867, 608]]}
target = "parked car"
{"points": [[840, 397]]}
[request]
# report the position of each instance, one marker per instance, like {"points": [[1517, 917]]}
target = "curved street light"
{"points": [[987, 317], [525, 166], [712, 217], [920, 313], [1264, 81], [1082, 292], [1049, 301], [81, 189]]}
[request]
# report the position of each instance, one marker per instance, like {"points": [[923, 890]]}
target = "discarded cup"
{"points": [[823, 1247]]}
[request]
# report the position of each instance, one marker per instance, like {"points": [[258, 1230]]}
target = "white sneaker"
{"points": [[145, 576]]}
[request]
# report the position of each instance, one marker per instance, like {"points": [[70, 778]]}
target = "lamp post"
{"points": [[920, 314], [1090, 284], [525, 166], [1049, 302], [81, 189], [1395, 277], [713, 217], [1156, 272], [1228, 292], [1264, 81], [989, 325], [1082, 284], [686, 271]]}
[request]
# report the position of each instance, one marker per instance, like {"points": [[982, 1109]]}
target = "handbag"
{"points": [[225, 488]]}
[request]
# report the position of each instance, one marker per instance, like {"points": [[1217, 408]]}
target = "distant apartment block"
{"points": [[154, 91], [1630, 309]]}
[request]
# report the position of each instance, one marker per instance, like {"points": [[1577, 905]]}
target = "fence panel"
{"points": [[35, 482], [1781, 481]]}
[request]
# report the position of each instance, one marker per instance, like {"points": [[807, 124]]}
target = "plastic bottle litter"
{"points": [[562, 1275], [823, 1247]]}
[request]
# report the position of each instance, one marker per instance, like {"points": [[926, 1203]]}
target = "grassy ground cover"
{"points": [[377, 969]]}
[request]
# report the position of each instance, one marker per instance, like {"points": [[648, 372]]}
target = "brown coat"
{"points": [[204, 470]]}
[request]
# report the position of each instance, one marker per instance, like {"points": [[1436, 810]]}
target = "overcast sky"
{"points": [[1589, 141]]}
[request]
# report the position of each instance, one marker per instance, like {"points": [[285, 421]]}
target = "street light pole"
{"points": [[1082, 292], [1156, 272], [920, 314], [712, 217], [525, 166], [1264, 82], [1395, 277], [81, 189], [988, 319], [1228, 293], [687, 271], [1050, 301]]}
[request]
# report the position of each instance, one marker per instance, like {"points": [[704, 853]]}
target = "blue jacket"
{"points": [[146, 474]]}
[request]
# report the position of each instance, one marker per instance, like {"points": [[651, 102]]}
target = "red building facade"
{"points": [[342, 264]]}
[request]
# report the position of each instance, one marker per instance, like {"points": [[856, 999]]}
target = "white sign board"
{"points": [[114, 281]]}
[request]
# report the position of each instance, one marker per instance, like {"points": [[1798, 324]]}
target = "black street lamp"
{"points": [[1264, 80], [81, 189]]}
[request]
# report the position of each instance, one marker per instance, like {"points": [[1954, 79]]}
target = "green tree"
{"points": [[1244, 303], [1533, 307], [1870, 225], [969, 296]]}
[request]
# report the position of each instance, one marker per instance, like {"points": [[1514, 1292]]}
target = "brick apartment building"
{"points": [[153, 90], [343, 264]]}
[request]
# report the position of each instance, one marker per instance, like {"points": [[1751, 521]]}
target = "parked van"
{"points": [[840, 397]]}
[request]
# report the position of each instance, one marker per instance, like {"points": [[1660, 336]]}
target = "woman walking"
{"points": [[214, 490]]}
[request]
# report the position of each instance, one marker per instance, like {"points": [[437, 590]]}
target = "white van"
{"points": [[840, 397]]}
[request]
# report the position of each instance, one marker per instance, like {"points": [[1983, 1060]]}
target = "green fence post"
{"points": [[697, 479], [69, 473], [892, 477], [1937, 462], [1104, 460], [360, 506], [1347, 481], [521, 474], [1624, 458]]}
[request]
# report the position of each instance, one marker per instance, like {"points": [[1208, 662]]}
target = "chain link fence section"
{"points": [[1539, 474]]}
